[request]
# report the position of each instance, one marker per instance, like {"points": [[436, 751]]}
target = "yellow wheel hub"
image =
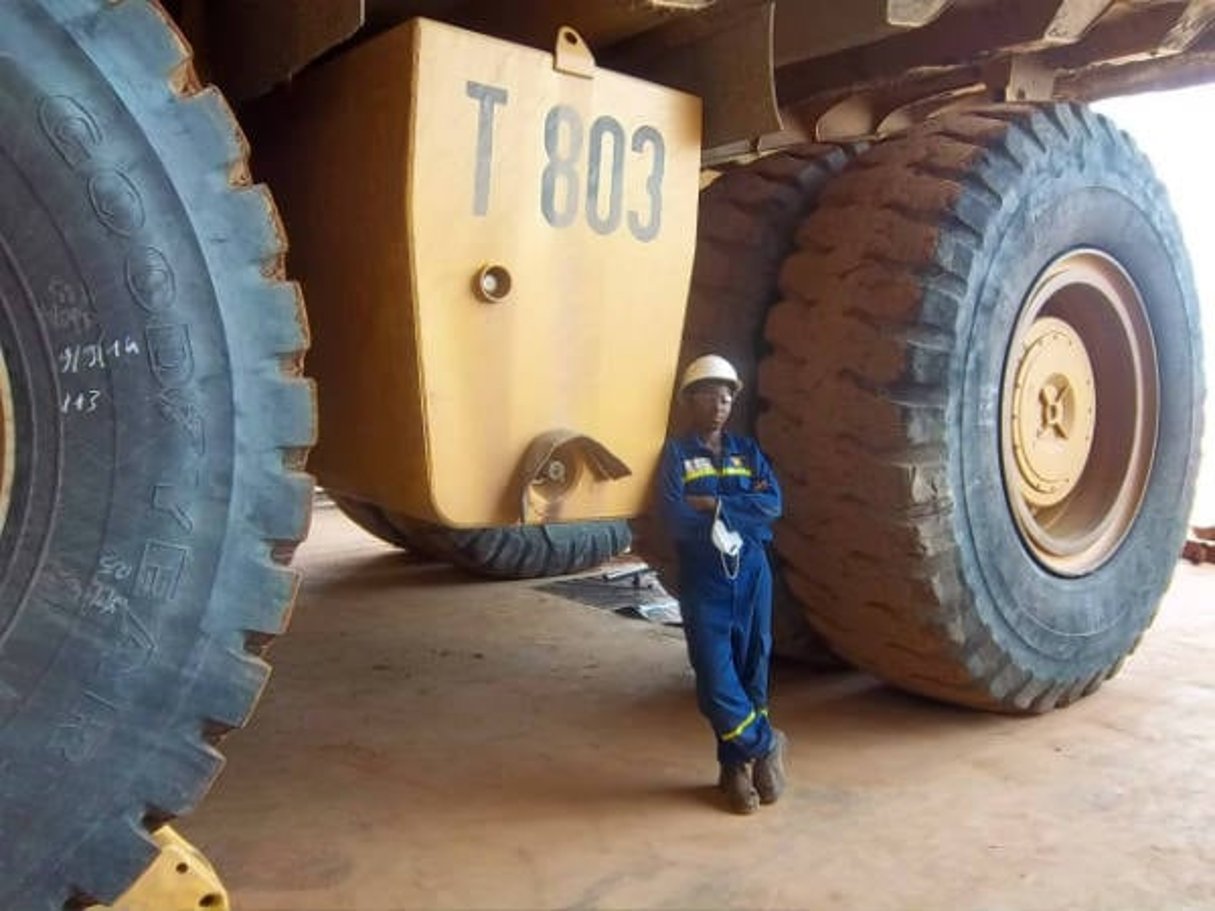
{"points": [[1079, 412], [1053, 411]]}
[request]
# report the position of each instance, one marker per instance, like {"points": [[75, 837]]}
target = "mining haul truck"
{"points": [[961, 306]]}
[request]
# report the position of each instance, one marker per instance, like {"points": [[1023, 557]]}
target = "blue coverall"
{"points": [[727, 622]]}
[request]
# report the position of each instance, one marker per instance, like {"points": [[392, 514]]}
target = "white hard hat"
{"points": [[710, 367]]}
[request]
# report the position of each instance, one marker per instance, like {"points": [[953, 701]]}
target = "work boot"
{"points": [[735, 781], [770, 770]]}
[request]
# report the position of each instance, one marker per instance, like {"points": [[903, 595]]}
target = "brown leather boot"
{"points": [[770, 770], [735, 781]]}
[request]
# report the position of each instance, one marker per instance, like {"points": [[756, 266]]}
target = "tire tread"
{"points": [[243, 244], [914, 205]]}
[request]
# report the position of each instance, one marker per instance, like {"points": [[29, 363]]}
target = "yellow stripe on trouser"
{"points": [[738, 731]]}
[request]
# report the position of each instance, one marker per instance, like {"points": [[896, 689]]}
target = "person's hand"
{"points": [[760, 487], [701, 503]]}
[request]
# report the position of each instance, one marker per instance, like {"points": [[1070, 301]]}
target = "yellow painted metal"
{"points": [[494, 252], [180, 879], [1054, 411], [1080, 409]]}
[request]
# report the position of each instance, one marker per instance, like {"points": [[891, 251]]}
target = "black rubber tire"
{"points": [[748, 218], [161, 422], [526, 551], [514, 552], [747, 221], [885, 390]]}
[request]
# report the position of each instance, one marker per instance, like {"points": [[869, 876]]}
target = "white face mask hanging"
{"points": [[728, 543]]}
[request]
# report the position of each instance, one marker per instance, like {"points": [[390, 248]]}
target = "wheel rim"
{"points": [[1079, 412]]}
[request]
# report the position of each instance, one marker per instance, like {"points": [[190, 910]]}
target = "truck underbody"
{"points": [[773, 73]]}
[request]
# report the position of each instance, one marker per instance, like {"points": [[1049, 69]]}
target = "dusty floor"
{"points": [[427, 742]]}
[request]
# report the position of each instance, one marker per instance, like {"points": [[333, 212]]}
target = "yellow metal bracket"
{"points": [[553, 466], [572, 56], [180, 879]]}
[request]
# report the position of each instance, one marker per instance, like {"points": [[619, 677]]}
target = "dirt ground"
{"points": [[431, 742]]}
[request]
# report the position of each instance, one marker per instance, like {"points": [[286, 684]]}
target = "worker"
{"points": [[719, 497]]}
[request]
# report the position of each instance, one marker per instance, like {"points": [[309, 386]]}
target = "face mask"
{"points": [[728, 542]]}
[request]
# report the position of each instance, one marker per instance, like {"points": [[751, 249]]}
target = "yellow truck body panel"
{"points": [[495, 243]]}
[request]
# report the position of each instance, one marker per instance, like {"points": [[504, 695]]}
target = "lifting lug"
{"points": [[179, 879]]}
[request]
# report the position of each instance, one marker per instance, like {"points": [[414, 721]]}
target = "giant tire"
{"points": [[746, 225], [527, 551], [506, 552], [159, 424], [887, 424], [747, 221]]}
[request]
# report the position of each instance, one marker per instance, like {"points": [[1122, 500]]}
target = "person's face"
{"points": [[709, 405]]}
